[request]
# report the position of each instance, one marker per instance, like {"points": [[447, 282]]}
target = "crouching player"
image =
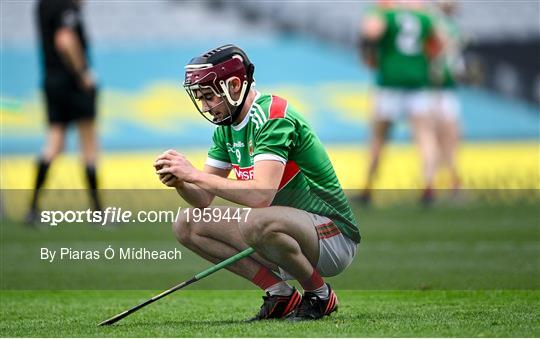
{"points": [[300, 225]]}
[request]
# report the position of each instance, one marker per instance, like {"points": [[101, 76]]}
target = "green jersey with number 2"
{"points": [[402, 58]]}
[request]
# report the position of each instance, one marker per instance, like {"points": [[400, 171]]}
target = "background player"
{"points": [[69, 88], [446, 68], [395, 39], [301, 224]]}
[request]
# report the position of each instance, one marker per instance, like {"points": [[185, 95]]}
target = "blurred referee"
{"points": [[69, 88]]}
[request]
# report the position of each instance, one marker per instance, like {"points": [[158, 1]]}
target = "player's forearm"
{"points": [[194, 195], [247, 193], [70, 49], [368, 51]]}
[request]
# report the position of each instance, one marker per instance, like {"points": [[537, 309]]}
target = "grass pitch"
{"points": [[222, 314], [465, 271]]}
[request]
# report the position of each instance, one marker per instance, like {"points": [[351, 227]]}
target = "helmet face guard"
{"points": [[205, 80]]}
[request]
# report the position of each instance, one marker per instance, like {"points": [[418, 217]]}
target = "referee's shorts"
{"points": [[66, 101]]}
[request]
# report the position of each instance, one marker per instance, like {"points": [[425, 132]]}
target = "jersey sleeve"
{"points": [[218, 156], [275, 140], [66, 16]]}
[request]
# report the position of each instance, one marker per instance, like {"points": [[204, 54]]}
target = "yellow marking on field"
{"points": [[21, 116], [165, 100], [164, 106], [483, 165], [353, 102]]}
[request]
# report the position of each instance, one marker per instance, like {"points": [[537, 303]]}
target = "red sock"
{"points": [[313, 283], [265, 278]]}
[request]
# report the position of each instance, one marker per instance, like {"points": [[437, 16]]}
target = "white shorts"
{"points": [[392, 104], [336, 251], [447, 105]]}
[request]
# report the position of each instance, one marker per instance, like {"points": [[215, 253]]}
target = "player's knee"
{"points": [[250, 227], [182, 229], [257, 228], [52, 151]]}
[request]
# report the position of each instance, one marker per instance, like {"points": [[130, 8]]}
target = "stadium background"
{"points": [[143, 109]]}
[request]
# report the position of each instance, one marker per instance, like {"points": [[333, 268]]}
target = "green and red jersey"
{"points": [[273, 130]]}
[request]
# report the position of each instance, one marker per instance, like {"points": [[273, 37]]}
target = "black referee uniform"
{"points": [[69, 97], [66, 100]]}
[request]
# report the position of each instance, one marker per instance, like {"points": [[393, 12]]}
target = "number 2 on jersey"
{"points": [[408, 38]]}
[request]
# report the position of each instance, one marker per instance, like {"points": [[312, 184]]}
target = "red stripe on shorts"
{"points": [[327, 230]]}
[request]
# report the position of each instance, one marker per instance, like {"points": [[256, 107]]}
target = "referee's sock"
{"points": [[91, 178], [42, 169]]}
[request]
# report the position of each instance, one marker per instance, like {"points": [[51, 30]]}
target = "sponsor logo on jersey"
{"points": [[243, 173], [238, 144]]}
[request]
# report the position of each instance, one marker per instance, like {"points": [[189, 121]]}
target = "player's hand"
{"points": [[87, 81], [176, 164], [167, 179], [170, 180]]}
